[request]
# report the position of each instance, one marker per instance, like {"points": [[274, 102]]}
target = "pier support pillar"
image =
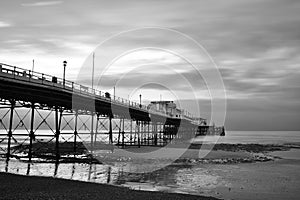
{"points": [[57, 133], [130, 132], [120, 130], [12, 107], [31, 133], [110, 130], [138, 133], [92, 132], [75, 132], [148, 137], [96, 129], [123, 134], [155, 134]]}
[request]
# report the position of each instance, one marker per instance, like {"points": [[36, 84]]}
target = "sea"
{"points": [[255, 137]]}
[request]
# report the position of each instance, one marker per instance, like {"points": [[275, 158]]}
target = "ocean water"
{"points": [[232, 137], [245, 137], [258, 137]]}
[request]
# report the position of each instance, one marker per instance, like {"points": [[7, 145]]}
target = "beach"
{"points": [[32, 187], [278, 179], [232, 170]]}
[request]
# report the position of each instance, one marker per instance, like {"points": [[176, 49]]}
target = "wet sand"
{"points": [[278, 179], [229, 171], [32, 187], [196, 153]]}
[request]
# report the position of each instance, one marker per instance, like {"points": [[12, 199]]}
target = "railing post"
{"points": [[31, 134], [12, 107]]}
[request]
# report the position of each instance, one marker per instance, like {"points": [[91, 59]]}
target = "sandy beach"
{"points": [[31, 187], [229, 171]]}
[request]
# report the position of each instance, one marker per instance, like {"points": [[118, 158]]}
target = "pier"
{"points": [[41, 110]]}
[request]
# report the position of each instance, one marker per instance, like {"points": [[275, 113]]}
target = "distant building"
{"points": [[167, 107], [200, 120]]}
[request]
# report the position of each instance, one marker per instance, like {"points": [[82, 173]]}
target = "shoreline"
{"points": [[218, 165], [36, 187], [223, 153]]}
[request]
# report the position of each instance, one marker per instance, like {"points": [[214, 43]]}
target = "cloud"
{"points": [[255, 43], [4, 24], [43, 3]]}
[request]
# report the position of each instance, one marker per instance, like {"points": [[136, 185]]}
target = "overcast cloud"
{"points": [[255, 43]]}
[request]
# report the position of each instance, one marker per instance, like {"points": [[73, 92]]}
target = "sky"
{"points": [[254, 45]]}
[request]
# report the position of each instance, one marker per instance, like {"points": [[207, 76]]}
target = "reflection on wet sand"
{"points": [[175, 178], [228, 172]]}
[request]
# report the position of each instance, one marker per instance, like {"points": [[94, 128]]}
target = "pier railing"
{"points": [[17, 73]]}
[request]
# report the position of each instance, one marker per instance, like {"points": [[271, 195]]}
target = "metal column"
{"points": [[123, 133], [57, 133], [138, 133], [96, 129], [92, 133], [110, 130], [31, 134], [12, 107], [75, 132]]}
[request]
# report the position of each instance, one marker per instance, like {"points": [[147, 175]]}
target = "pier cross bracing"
{"points": [[40, 113]]}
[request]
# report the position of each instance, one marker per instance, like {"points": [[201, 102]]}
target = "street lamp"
{"points": [[114, 92], [65, 64], [140, 101]]}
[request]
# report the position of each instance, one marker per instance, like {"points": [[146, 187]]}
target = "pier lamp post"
{"points": [[64, 77], [114, 92], [140, 101]]}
